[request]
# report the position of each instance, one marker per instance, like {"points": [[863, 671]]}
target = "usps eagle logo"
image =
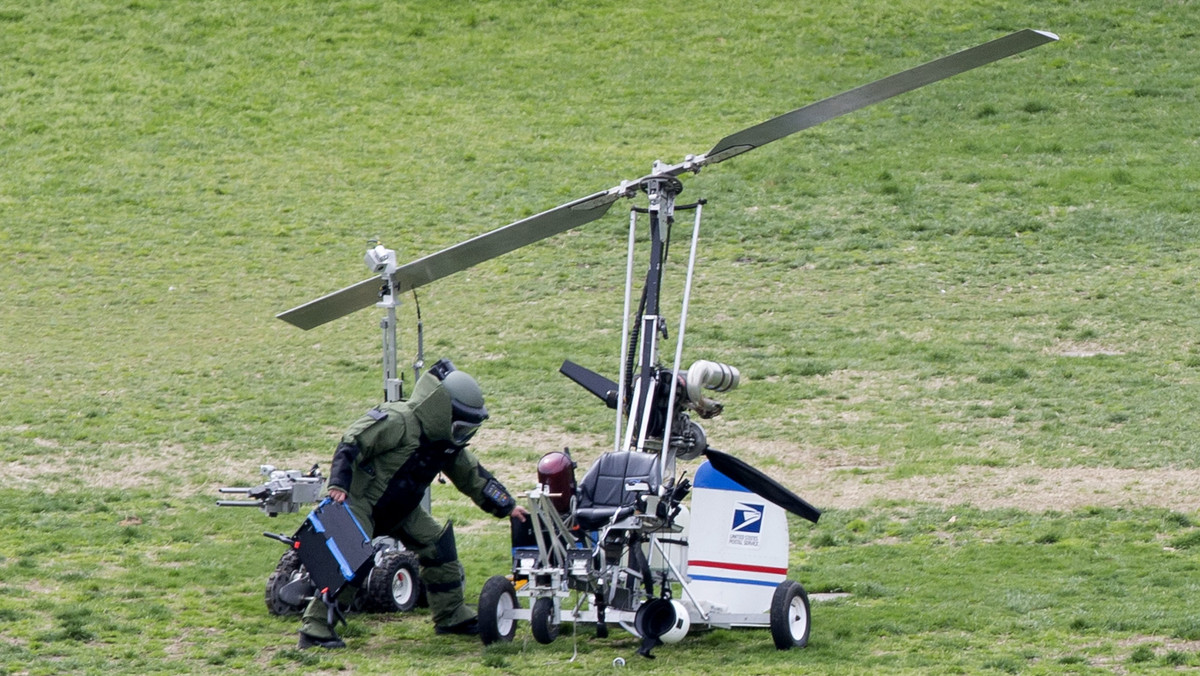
{"points": [[747, 518], [747, 524]]}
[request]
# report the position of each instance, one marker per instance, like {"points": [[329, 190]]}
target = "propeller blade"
{"points": [[760, 483], [454, 259], [604, 388], [869, 94]]}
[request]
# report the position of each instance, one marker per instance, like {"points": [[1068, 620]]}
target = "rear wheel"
{"points": [[497, 599], [394, 585], [791, 619], [542, 621]]}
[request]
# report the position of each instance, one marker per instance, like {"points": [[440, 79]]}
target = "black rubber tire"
{"points": [[542, 621], [394, 585], [496, 597], [286, 571], [791, 616]]}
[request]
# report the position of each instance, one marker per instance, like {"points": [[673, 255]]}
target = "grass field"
{"points": [[966, 317]]}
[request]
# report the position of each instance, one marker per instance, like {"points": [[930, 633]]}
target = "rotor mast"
{"points": [[661, 191], [383, 260]]}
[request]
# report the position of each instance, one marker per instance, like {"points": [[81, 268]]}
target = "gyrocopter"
{"points": [[616, 546]]}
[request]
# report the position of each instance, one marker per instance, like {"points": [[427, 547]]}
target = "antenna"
{"points": [[382, 260]]}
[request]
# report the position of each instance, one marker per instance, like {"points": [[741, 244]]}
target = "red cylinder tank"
{"points": [[556, 470]]}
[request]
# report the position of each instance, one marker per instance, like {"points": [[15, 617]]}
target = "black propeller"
{"points": [[449, 261], [761, 484], [604, 388], [584, 210]]}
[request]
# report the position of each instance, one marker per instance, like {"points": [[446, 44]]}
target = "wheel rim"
{"points": [[797, 618], [403, 587], [546, 608], [503, 606]]}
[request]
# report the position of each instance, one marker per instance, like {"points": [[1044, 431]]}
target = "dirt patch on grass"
{"points": [[1085, 348], [830, 478], [833, 479], [827, 478], [177, 469], [1033, 489]]}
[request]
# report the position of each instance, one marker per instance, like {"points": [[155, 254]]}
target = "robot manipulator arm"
{"points": [[284, 492]]}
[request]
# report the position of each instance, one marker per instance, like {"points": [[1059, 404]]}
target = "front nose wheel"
{"points": [[543, 622]]}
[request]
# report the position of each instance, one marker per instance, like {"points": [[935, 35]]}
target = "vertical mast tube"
{"points": [[667, 459], [622, 384], [662, 203]]}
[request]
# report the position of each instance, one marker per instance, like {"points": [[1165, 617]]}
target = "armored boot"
{"points": [[315, 629], [444, 589], [442, 575], [307, 642]]}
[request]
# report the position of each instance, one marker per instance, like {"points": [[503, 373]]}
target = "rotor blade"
{"points": [[337, 304], [458, 257], [760, 483], [869, 94], [503, 240], [581, 211]]}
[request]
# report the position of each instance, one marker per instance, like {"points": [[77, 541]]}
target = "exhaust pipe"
{"points": [[709, 375]]}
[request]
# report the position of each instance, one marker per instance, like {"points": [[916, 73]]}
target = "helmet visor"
{"points": [[465, 421], [461, 431]]}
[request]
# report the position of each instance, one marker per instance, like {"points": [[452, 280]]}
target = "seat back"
{"points": [[602, 491]]}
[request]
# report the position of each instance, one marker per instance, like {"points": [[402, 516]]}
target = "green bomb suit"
{"points": [[384, 463]]}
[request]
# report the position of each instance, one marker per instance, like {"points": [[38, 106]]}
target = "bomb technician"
{"points": [[381, 469]]}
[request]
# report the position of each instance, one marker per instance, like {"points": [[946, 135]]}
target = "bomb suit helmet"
{"points": [[449, 404], [467, 411]]}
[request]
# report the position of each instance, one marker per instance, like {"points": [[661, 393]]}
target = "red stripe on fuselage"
{"points": [[740, 566]]}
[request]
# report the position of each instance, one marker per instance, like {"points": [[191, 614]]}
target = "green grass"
{"points": [[946, 590], [995, 272]]}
